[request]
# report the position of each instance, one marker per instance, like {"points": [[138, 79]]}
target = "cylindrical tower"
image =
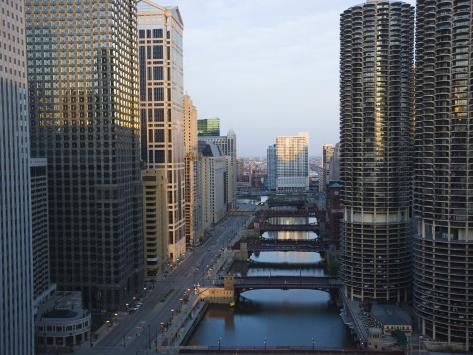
{"points": [[376, 97], [443, 253]]}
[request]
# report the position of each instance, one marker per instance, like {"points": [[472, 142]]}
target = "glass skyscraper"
{"points": [[376, 118], [83, 86], [208, 127], [292, 163], [443, 244], [16, 260]]}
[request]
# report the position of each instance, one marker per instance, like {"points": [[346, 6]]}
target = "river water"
{"points": [[277, 317]]}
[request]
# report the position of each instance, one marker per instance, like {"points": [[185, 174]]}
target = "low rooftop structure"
{"points": [[391, 317]]}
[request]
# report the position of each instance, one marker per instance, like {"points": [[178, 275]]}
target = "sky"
{"points": [[265, 67]]}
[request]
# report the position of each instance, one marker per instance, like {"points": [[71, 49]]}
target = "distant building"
{"points": [[335, 164], [156, 238], [208, 127], [192, 154], [227, 146], [334, 210], [40, 230], [271, 167], [327, 155], [160, 35], [214, 172], [292, 167]]}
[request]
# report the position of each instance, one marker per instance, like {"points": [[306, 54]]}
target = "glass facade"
{"points": [[292, 163], [443, 244], [83, 87], [376, 119], [208, 127], [16, 277]]}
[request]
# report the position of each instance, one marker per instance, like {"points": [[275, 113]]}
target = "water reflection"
{"points": [[289, 235], [292, 220]]}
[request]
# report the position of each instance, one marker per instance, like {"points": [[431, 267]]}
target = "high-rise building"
{"points": [[327, 155], [209, 127], [40, 230], [160, 32], [227, 146], [192, 155], [376, 141], [83, 87], [335, 164], [443, 244], [292, 163], [16, 277], [155, 221], [215, 168], [271, 167]]}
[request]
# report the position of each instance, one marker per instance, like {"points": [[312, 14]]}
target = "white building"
{"points": [[215, 169], [292, 163], [227, 146]]}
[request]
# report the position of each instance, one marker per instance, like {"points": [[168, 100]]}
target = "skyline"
{"points": [[234, 44]]}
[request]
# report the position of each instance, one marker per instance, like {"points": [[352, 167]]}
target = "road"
{"points": [[134, 332]]}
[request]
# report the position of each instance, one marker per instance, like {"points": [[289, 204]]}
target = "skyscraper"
{"points": [[443, 244], [160, 31], [376, 141], [327, 155], [16, 278], [292, 163], [192, 154], [83, 86], [271, 167], [209, 127]]}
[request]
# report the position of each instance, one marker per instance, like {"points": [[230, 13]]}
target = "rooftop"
{"points": [[390, 314]]}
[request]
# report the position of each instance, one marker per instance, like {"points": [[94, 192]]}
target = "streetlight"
{"points": [[172, 314], [219, 343], [265, 342], [313, 344]]}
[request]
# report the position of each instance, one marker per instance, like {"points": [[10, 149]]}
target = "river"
{"points": [[277, 317]]}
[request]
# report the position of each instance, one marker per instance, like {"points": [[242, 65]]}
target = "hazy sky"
{"points": [[265, 67]]}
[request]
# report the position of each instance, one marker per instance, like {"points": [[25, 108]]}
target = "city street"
{"points": [[134, 333]]}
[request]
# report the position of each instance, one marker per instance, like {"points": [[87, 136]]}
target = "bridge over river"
{"points": [[242, 284]]}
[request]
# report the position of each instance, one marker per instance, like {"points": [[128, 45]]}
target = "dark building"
{"points": [[443, 244], [83, 93], [334, 210], [376, 142]]}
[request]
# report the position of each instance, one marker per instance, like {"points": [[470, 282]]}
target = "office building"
{"points": [[84, 118], [443, 244], [292, 163], [209, 127], [160, 32], [192, 155], [155, 219], [376, 142], [215, 168], [16, 275], [227, 146], [327, 155], [271, 167], [335, 164], [42, 285]]}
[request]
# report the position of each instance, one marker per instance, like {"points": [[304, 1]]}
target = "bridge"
{"points": [[268, 213], [324, 283], [268, 227], [264, 244]]}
